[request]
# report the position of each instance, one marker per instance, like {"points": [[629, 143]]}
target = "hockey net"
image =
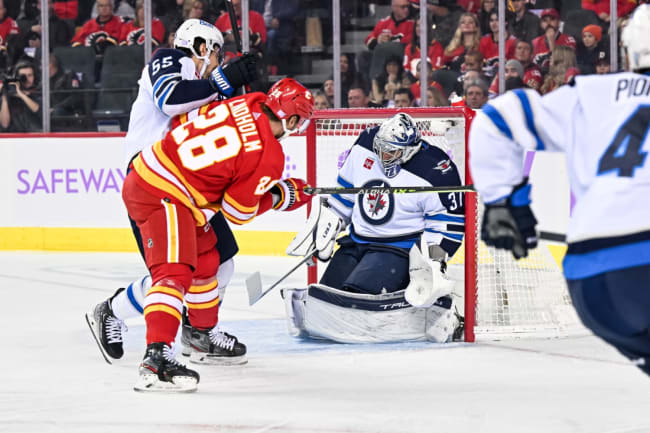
{"points": [[502, 297]]}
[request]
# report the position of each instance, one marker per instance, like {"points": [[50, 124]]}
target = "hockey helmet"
{"points": [[636, 38], [193, 28], [396, 141], [287, 98]]}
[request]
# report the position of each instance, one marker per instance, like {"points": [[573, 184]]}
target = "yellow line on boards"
{"points": [[261, 243]]}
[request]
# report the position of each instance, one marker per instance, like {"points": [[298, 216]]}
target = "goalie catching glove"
{"points": [[428, 281], [509, 224], [288, 194], [236, 73], [318, 237]]}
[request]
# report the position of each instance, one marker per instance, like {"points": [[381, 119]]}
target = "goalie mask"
{"points": [[192, 29], [396, 141]]}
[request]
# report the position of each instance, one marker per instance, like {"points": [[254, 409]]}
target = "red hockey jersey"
{"points": [[222, 156], [134, 35], [541, 52], [92, 31], [7, 27], [401, 31], [435, 54]]}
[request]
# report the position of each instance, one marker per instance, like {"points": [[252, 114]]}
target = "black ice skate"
{"points": [[160, 372], [212, 346], [107, 329]]}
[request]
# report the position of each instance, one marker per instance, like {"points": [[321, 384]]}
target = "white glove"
{"points": [[320, 232], [428, 282]]}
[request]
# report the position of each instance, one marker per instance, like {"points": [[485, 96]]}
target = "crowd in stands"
{"points": [[547, 43]]}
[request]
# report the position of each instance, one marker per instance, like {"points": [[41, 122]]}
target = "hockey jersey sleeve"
{"points": [[174, 89], [510, 125]]}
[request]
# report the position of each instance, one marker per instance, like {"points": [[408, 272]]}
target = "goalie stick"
{"points": [[387, 190], [254, 281]]}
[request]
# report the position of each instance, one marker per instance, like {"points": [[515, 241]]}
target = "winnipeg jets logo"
{"points": [[443, 166], [376, 208]]}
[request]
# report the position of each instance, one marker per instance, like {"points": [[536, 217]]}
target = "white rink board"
{"points": [[76, 182]]}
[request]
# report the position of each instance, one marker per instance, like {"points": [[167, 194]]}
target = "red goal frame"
{"points": [[471, 199]]}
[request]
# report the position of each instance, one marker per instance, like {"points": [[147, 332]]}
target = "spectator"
{"points": [[194, 9], [484, 15], [601, 7], [551, 37], [133, 31], [320, 101], [514, 83], [328, 91], [358, 98], [563, 67], [436, 98], [489, 45], [256, 24], [102, 31], [403, 98], [22, 112], [532, 73], [513, 69], [171, 16], [281, 32], [476, 94], [525, 26], [121, 8], [9, 44], [465, 38], [416, 87], [473, 6], [589, 48], [61, 33], [412, 51], [392, 78], [64, 102], [473, 61], [602, 64], [443, 18], [349, 74], [397, 27], [64, 9]]}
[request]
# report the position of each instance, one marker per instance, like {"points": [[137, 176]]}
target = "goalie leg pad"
{"points": [[441, 321], [427, 281], [381, 269]]}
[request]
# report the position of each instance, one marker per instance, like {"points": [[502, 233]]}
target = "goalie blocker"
{"points": [[324, 312]]}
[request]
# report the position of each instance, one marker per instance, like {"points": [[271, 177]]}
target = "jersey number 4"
{"points": [[624, 153]]}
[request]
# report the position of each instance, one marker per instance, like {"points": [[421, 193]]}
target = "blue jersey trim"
{"points": [[134, 302], [446, 218], [577, 266], [406, 244], [528, 112], [161, 100], [343, 182], [456, 237], [346, 203], [498, 120], [164, 79]]}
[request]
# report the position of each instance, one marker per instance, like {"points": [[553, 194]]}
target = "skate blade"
{"points": [[207, 359], [90, 320], [151, 383]]}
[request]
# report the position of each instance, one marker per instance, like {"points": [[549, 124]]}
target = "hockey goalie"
{"points": [[387, 280]]}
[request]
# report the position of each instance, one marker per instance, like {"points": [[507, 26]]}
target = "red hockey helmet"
{"points": [[288, 97]]}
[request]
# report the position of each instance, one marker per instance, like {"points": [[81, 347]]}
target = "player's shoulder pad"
{"points": [[432, 164], [367, 137], [165, 61]]}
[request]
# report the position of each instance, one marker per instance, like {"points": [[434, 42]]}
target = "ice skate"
{"points": [[161, 372], [107, 329], [212, 346]]}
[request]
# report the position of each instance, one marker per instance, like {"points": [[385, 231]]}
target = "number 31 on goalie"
{"points": [[455, 200]]}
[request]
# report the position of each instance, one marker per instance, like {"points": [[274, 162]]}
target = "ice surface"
{"points": [[53, 378]]}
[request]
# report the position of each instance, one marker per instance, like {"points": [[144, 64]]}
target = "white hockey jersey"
{"points": [[401, 219], [168, 86], [601, 122]]}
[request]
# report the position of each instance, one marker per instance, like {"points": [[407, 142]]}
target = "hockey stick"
{"points": [[235, 32], [254, 281], [387, 190]]}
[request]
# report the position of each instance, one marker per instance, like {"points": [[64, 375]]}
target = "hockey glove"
{"points": [[427, 279], [236, 73], [320, 232], [288, 194], [510, 224]]}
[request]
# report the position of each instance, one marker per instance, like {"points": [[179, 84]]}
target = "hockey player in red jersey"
{"points": [[223, 156]]}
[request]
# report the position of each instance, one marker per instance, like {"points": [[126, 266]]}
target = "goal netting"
{"points": [[502, 297]]}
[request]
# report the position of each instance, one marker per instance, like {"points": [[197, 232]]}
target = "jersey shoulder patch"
{"points": [[433, 165]]}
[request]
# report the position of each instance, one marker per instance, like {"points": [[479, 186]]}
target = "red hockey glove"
{"points": [[288, 194]]}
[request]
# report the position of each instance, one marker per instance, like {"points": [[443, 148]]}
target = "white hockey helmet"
{"points": [[636, 38], [396, 141], [193, 28]]}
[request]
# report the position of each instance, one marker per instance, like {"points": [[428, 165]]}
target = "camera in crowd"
{"points": [[7, 80]]}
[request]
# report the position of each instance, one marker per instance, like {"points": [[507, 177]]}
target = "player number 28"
{"points": [[216, 145]]}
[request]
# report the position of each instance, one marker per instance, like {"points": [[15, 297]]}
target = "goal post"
{"points": [[502, 297]]}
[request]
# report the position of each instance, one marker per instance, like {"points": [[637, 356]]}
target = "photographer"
{"points": [[22, 110]]}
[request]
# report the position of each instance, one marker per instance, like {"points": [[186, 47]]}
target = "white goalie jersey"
{"points": [[601, 123], [401, 219]]}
